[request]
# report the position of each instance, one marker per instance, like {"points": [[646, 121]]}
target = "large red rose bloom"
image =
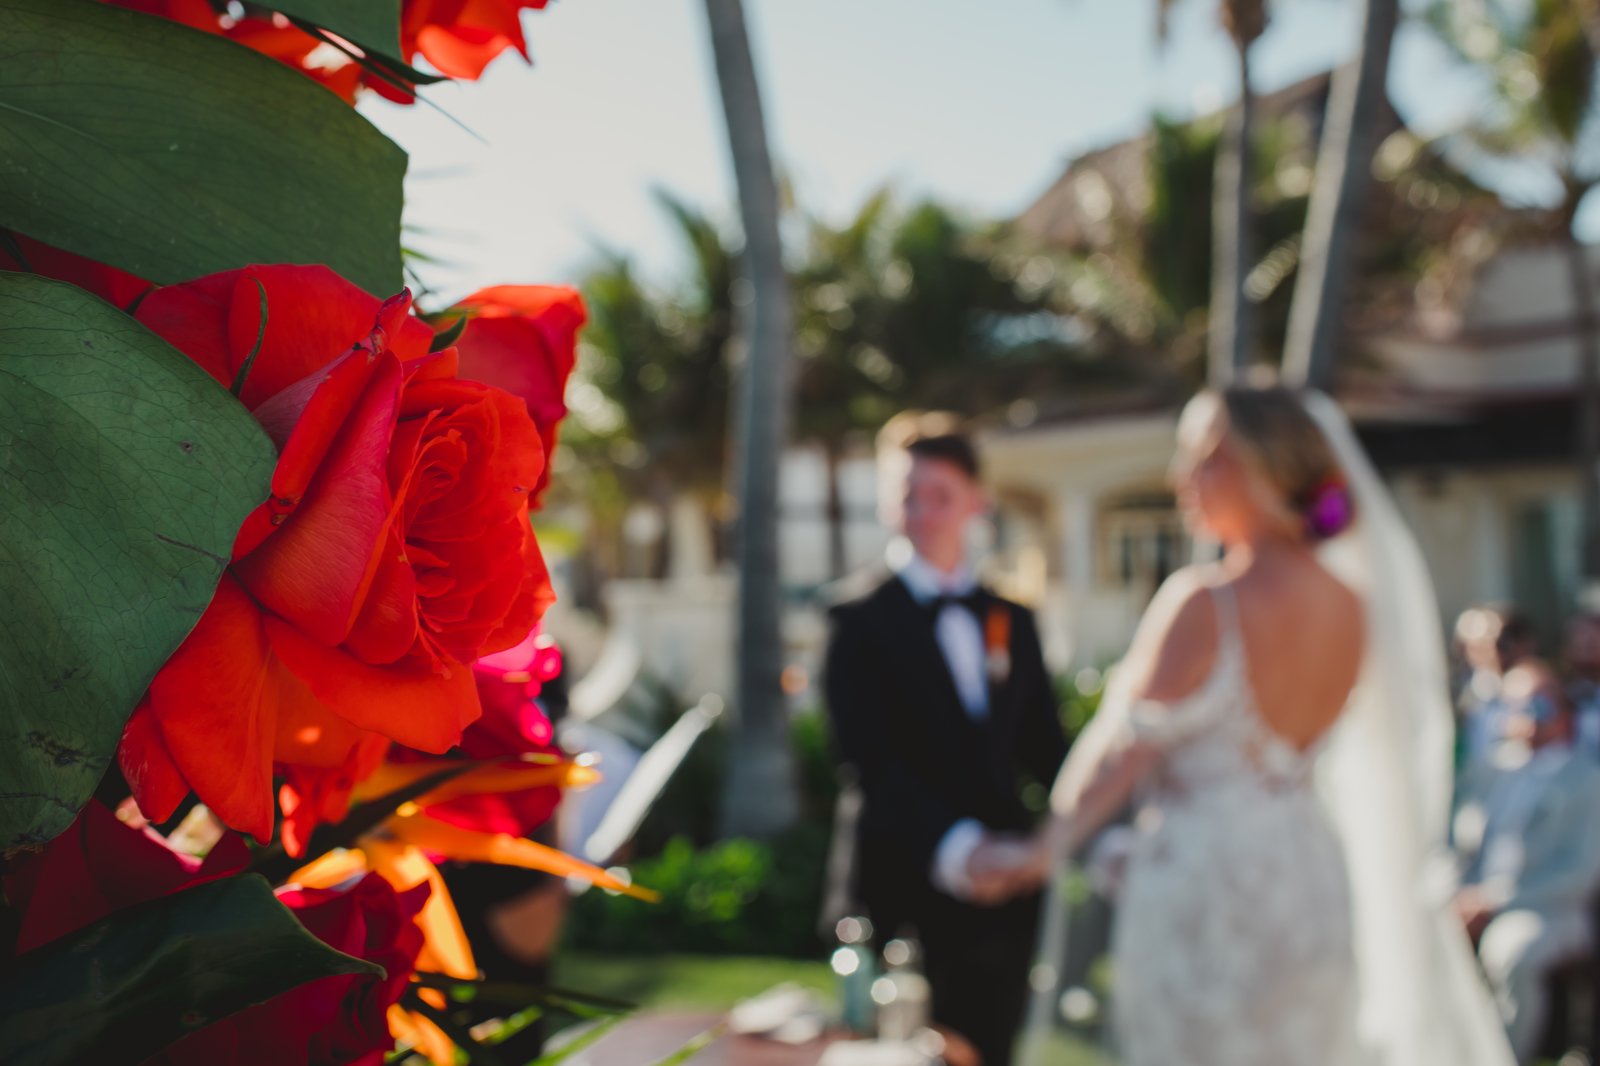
{"points": [[394, 550]]}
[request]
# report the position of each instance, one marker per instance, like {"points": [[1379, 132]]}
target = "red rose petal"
{"points": [[216, 703], [315, 569], [409, 702]]}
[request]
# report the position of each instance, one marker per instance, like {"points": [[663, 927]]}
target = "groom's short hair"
{"points": [[934, 435]]}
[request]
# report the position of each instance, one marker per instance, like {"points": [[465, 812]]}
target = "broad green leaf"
{"points": [[138, 142], [125, 472], [127, 986]]}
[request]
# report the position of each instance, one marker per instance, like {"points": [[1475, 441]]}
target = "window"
{"points": [[1140, 541]]}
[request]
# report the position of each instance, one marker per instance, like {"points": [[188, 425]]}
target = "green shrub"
{"points": [[811, 737], [739, 897]]}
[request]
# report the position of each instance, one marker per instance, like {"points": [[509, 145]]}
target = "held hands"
{"points": [[1004, 866], [1474, 910]]}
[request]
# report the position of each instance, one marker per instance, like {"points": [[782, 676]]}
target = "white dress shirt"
{"points": [[959, 633], [958, 630]]}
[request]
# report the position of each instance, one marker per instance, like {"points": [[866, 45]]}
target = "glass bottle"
{"points": [[855, 965], [902, 993]]}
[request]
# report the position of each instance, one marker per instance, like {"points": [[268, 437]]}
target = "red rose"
{"points": [[99, 865], [373, 922], [395, 549], [524, 339], [341, 1019]]}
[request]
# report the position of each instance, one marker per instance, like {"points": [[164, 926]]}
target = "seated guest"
{"points": [[1582, 657], [1528, 838], [1492, 639]]}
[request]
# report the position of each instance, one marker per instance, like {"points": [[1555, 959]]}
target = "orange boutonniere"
{"points": [[997, 642]]}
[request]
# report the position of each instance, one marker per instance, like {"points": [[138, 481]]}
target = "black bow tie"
{"points": [[971, 601]]}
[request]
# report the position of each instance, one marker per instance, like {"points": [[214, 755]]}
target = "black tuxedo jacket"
{"points": [[921, 762]]}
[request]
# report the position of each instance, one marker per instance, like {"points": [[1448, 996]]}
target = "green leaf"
{"points": [[138, 142], [127, 986], [695, 1045], [371, 25], [449, 335], [125, 472], [517, 994]]}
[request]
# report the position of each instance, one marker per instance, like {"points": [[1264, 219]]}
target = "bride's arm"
{"points": [[1171, 656]]}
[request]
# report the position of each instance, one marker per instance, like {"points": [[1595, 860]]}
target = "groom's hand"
{"points": [[1003, 867]]}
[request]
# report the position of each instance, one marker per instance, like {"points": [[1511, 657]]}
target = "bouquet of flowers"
{"points": [[272, 593]]}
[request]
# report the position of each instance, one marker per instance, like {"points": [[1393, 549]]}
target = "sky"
{"points": [[979, 105]]}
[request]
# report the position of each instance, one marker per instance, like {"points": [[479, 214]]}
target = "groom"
{"points": [[940, 703]]}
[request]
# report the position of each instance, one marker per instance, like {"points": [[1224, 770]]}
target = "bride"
{"points": [[1280, 724]]}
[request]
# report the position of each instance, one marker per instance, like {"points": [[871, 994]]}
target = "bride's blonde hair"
{"points": [[1273, 428]]}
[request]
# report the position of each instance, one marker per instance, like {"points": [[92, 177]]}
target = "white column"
{"points": [[1075, 510], [692, 555]]}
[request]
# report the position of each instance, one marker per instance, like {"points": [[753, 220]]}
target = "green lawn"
{"points": [[707, 982]]}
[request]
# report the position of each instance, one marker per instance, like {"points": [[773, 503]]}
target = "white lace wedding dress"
{"points": [[1285, 907], [1233, 942]]}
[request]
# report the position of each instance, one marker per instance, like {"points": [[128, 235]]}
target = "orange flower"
{"points": [[393, 552], [401, 851]]}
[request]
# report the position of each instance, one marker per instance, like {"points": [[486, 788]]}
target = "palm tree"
{"points": [[1140, 284], [845, 387], [761, 797], [1540, 62], [1232, 327], [1344, 168], [655, 363]]}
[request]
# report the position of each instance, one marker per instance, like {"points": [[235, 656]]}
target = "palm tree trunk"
{"points": [[1588, 404], [1232, 327], [760, 797], [1344, 169]]}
